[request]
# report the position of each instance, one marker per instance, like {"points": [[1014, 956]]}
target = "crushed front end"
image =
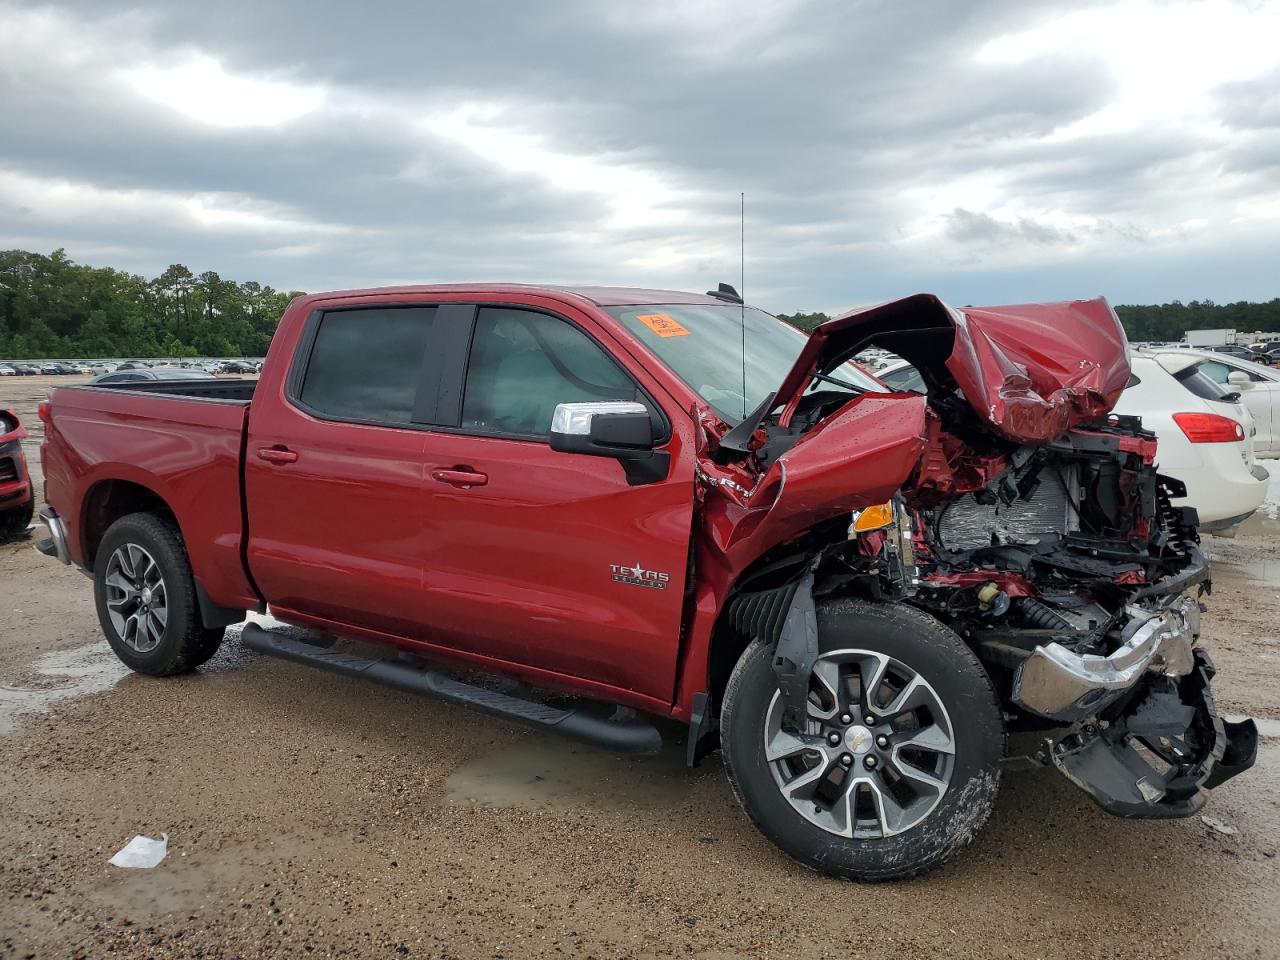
{"points": [[1010, 504], [1079, 585]]}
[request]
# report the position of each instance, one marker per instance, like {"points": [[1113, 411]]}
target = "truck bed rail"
{"points": [[240, 391]]}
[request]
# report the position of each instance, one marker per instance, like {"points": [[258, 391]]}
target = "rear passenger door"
{"points": [[334, 471], [547, 559]]}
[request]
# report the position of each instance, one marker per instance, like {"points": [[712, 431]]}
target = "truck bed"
{"points": [[182, 440]]}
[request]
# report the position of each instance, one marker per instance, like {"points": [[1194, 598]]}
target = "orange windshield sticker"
{"points": [[662, 325]]}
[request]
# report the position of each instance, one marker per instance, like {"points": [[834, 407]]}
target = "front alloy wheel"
{"points": [[877, 753], [898, 763]]}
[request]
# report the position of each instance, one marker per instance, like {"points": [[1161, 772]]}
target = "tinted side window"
{"points": [[1198, 380], [1215, 371], [366, 364], [523, 364]]}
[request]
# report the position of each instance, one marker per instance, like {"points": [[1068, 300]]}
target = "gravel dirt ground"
{"points": [[309, 815]]}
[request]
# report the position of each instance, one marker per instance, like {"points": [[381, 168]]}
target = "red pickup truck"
{"points": [[675, 505]]}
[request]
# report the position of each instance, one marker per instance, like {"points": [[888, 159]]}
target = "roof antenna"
{"points": [[742, 288]]}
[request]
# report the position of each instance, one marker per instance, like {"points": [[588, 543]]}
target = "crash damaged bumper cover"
{"points": [[1148, 741], [1061, 684], [1160, 759]]}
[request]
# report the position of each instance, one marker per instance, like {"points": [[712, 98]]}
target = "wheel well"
{"points": [[754, 607], [108, 501], [727, 647]]}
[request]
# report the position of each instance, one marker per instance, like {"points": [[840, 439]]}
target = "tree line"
{"points": [[53, 307]]}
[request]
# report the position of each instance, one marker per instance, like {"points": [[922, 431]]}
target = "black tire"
{"points": [[938, 656], [210, 641], [14, 523], [185, 643]]}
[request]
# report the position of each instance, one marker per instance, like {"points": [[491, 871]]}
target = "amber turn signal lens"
{"points": [[873, 518]]}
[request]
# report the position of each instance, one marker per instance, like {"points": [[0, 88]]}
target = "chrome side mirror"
{"points": [[621, 429]]}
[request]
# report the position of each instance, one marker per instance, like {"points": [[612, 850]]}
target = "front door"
{"points": [[550, 559]]}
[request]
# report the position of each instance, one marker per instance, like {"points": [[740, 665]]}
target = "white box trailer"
{"points": [[1209, 338]]}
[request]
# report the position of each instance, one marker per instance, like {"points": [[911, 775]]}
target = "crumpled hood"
{"points": [[1030, 371]]}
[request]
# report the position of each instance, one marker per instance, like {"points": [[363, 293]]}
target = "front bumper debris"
{"points": [[1060, 684], [1164, 754]]}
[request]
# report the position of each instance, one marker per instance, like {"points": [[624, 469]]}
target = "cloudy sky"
{"points": [[987, 151]]}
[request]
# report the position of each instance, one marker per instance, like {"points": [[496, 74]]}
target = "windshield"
{"points": [[702, 344]]}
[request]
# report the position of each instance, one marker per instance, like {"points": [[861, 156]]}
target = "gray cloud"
{"points": [[968, 227], [882, 149]]}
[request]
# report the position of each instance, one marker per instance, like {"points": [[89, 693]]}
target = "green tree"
{"points": [[51, 306]]}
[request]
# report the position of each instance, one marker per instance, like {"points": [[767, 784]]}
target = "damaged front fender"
{"points": [[853, 459]]}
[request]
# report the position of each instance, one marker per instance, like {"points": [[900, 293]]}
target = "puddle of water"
{"points": [[1259, 571], [70, 673], [1264, 523], [550, 773]]}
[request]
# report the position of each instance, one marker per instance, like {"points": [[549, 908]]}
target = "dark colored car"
{"points": [[139, 374], [853, 593], [1241, 353]]}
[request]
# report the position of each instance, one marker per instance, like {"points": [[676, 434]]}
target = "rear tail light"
{"points": [[1209, 427], [42, 411]]}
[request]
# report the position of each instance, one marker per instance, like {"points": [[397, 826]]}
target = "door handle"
{"points": [[276, 455], [461, 477]]}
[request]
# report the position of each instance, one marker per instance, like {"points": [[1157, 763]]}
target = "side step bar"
{"points": [[630, 736]]}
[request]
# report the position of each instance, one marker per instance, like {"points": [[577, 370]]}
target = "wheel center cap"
{"points": [[146, 594], [859, 739]]}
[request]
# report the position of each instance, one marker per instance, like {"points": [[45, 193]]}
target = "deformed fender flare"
{"points": [[796, 653]]}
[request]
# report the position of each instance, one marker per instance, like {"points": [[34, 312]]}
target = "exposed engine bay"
{"points": [[1048, 543]]}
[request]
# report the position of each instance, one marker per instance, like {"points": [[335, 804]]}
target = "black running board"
{"points": [[630, 735]]}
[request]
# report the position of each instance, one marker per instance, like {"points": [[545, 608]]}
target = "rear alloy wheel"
{"points": [[897, 765], [136, 601], [146, 597]]}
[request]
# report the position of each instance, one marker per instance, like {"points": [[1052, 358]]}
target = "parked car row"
{"points": [[98, 368], [1213, 415], [47, 369], [1264, 352]]}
